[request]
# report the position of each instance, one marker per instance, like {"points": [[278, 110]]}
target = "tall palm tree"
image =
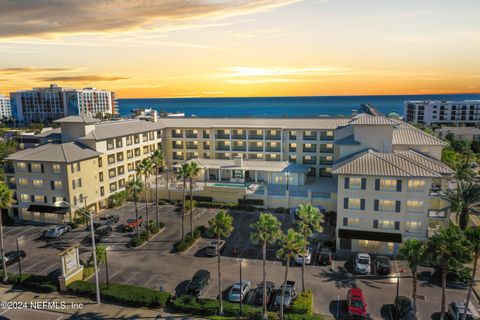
{"points": [[473, 235], [291, 244], [145, 168], [463, 172], [194, 170], [220, 226], [6, 201], [182, 174], [158, 161], [309, 221], [135, 187], [448, 249], [413, 251], [462, 199], [265, 231]]}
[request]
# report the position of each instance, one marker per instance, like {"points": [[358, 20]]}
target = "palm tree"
{"points": [[465, 196], [6, 201], [145, 168], [193, 172], [265, 231], [310, 221], [448, 249], [291, 244], [135, 187], [463, 172], [413, 251], [158, 161], [473, 235], [182, 174], [220, 226]]}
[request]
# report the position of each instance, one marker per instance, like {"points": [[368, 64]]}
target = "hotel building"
{"points": [[52, 103], [443, 112], [5, 111], [382, 176]]}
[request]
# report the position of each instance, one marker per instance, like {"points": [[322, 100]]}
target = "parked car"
{"points": [[356, 305], [362, 263], [212, 248], [404, 308], [258, 295], [290, 295], [199, 282], [110, 218], [132, 224], [308, 257], [96, 225], [239, 291], [383, 265], [101, 233], [12, 257], [326, 256], [456, 310], [56, 231]]}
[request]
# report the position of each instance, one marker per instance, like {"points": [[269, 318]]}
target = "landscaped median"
{"points": [[147, 234], [33, 282], [123, 294], [189, 240]]}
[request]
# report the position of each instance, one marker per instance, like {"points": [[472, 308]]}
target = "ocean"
{"points": [[280, 106]]}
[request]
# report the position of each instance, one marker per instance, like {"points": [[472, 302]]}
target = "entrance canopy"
{"points": [[45, 208], [249, 165]]}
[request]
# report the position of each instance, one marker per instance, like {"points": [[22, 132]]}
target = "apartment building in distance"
{"points": [[54, 102], [382, 176], [5, 111], [92, 161], [443, 112]]}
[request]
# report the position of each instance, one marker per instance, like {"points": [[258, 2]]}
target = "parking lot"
{"points": [[155, 265]]}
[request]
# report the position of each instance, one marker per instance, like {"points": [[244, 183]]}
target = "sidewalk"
{"points": [[63, 306]]}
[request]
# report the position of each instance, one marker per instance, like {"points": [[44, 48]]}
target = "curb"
{"points": [[193, 243], [152, 237]]}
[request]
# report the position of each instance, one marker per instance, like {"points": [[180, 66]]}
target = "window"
{"points": [[113, 187], [36, 167], [39, 199], [415, 205], [75, 167], [354, 203], [57, 185], [353, 222], [414, 226], [111, 159], [23, 182], [129, 140], [386, 224], [355, 183], [21, 166], [292, 158], [120, 156], [37, 183], [293, 147], [56, 168], [416, 185], [119, 142], [387, 205], [110, 144], [388, 185], [24, 197], [112, 173], [100, 176]]}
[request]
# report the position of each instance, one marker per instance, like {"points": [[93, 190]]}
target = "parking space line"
{"points": [[14, 229], [49, 269], [135, 274], [208, 289], [32, 265], [114, 274]]}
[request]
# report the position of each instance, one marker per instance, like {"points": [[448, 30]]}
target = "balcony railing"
{"points": [[239, 148], [222, 136], [191, 146], [309, 149], [223, 148], [191, 136], [273, 137], [309, 137], [206, 146], [239, 136], [326, 150], [256, 149], [177, 146], [271, 149], [175, 135], [324, 137], [442, 213], [292, 137], [255, 137]]}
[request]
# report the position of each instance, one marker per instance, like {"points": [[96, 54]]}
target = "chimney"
{"points": [[238, 161], [354, 113]]}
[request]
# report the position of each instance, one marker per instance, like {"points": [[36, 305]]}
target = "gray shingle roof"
{"points": [[107, 130], [55, 152], [395, 164], [77, 119], [365, 119], [327, 123]]}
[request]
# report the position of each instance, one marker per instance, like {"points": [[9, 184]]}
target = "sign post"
{"points": [[72, 270]]}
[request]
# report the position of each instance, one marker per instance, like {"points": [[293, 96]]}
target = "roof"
{"points": [[347, 141], [112, 129], [459, 130], [77, 119], [368, 120], [325, 123], [406, 134], [55, 152], [256, 165], [395, 164]]}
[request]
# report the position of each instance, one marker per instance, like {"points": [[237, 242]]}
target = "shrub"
{"points": [[123, 294], [36, 283], [293, 316], [117, 199], [209, 307], [165, 201], [216, 205], [303, 304], [252, 202], [188, 204], [279, 210], [138, 240], [203, 198], [87, 271], [161, 224], [188, 241]]}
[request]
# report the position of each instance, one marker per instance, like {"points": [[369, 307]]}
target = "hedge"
{"points": [[252, 202], [217, 205], [123, 294], [165, 201], [209, 307], [189, 240], [303, 304], [203, 198], [36, 283]]}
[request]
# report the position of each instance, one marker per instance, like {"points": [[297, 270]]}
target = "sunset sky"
{"points": [[220, 48]]}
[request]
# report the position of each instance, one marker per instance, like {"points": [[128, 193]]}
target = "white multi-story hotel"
{"points": [[54, 102], [443, 112], [382, 176], [5, 111]]}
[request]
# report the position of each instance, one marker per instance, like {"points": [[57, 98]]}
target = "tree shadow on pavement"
{"points": [[180, 288], [387, 312], [341, 279]]}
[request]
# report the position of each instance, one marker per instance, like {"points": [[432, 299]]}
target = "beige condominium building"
{"points": [[93, 161], [382, 176]]}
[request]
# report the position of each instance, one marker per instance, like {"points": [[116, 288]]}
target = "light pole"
{"points": [[287, 174], [241, 287], [94, 251], [19, 263], [106, 266]]}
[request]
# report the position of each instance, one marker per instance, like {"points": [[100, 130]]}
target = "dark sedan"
{"points": [[199, 282], [383, 265], [258, 295], [12, 257], [404, 308]]}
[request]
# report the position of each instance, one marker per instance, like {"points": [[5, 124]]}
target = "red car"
{"points": [[132, 224], [356, 306]]}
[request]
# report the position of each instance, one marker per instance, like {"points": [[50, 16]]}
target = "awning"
{"points": [[44, 208], [369, 235]]}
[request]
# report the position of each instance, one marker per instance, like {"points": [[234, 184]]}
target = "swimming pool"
{"points": [[228, 185]]}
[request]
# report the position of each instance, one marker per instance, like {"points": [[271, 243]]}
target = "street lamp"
{"points": [[106, 265], [94, 252], [287, 175], [19, 263]]}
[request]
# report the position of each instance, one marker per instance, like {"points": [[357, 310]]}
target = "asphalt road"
{"points": [[155, 265]]}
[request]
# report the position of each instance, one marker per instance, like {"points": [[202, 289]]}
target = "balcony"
{"points": [[325, 137], [326, 150], [239, 135], [255, 136], [255, 149], [177, 146], [175, 135], [206, 146], [272, 149], [239, 148], [326, 162], [223, 147], [192, 146], [311, 150], [309, 137], [273, 137], [191, 135], [292, 137]]}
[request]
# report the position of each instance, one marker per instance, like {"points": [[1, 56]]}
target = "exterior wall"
{"points": [[402, 220], [5, 111], [378, 138], [438, 112]]}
